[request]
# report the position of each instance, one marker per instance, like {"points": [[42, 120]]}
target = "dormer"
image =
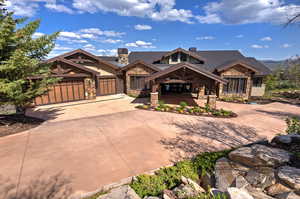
{"points": [[180, 55]]}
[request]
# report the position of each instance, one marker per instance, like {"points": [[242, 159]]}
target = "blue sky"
{"points": [[101, 26]]}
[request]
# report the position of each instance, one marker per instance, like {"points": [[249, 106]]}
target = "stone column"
{"points": [[90, 88], [154, 99], [212, 101], [201, 91]]}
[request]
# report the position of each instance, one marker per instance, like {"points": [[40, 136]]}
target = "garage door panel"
{"points": [[107, 86], [65, 91]]}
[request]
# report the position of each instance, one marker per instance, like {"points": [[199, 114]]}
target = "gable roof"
{"points": [[191, 67], [60, 59], [230, 64], [190, 53], [140, 62], [89, 55]]}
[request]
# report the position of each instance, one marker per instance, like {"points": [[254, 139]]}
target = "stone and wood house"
{"points": [[153, 73]]}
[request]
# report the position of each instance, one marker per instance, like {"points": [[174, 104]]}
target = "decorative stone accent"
{"points": [[154, 99], [212, 101], [201, 91], [90, 88], [236, 193], [121, 192], [224, 174], [260, 155], [290, 176]]}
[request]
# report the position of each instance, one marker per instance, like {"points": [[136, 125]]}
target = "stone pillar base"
{"points": [[212, 101], [154, 99]]}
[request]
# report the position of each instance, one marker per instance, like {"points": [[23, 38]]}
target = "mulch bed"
{"points": [[12, 124]]}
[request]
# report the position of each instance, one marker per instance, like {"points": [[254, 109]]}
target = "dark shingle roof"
{"points": [[213, 59]]}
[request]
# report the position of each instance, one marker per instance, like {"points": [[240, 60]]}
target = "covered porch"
{"points": [[183, 82]]}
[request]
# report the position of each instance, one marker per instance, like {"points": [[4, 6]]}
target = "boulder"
{"points": [[288, 195], [276, 189], [122, 192], [236, 193], [257, 193], [207, 181], [240, 182], [261, 177], [185, 191], [168, 194], [290, 176], [260, 155], [224, 174], [286, 139], [191, 183]]}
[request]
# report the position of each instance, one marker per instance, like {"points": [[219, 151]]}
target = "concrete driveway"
{"points": [[95, 149]]}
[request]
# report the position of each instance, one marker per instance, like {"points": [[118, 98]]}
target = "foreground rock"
{"points": [[123, 192], [277, 188], [288, 195], [290, 176], [286, 140], [236, 193], [187, 189], [260, 155], [224, 174], [261, 177]]}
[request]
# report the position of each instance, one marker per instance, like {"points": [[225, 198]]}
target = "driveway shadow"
{"points": [[200, 136], [45, 113], [53, 187], [280, 114]]}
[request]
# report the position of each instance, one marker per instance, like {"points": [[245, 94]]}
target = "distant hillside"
{"points": [[283, 63]]}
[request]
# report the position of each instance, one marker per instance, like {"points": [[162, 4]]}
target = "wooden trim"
{"points": [[106, 76], [124, 68], [230, 65], [192, 54]]}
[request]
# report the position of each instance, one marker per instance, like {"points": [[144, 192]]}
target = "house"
{"points": [[154, 73]]}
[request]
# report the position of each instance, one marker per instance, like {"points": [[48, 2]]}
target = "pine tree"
{"points": [[21, 58]]}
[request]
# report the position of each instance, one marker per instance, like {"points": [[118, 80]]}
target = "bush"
{"points": [[209, 196], [183, 105], [293, 125], [169, 177], [207, 108]]}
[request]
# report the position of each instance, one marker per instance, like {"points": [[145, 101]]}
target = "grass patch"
{"points": [[169, 177]]}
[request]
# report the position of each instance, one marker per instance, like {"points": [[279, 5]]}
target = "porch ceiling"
{"points": [[189, 66]]}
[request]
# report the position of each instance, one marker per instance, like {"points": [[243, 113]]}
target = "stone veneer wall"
{"points": [[90, 88], [238, 71], [139, 69]]}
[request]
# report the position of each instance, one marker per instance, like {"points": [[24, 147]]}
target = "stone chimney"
{"points": [[123, 56], [193, 49]]}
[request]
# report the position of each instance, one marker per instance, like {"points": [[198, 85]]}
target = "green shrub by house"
{"points": [[293, 125]]}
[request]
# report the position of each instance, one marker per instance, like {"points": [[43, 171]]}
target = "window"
{"points": [[235, 85], [138, 83], [174, 57], [183, 57], [257, 82]]}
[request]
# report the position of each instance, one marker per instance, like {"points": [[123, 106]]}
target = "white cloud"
{"points": [[70, 35], [239, 36], [154, 9], [259, 46], [142, 27], [141, 44], [244, 12], [88, 36], [266, 39], [286, 45], [112, 41], [107, 52], [37, 35], [58, 47], [59, 8], [205, 38], [72, 40], [89, 47], [97, 31]]}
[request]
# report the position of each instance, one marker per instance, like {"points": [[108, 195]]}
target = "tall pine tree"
{"points": [[21, 57]]}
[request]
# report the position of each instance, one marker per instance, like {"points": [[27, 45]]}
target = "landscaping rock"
{"points": [[260, 155], [261, 178], [122, 192], [239, 169], [240, 182], [207, 181], [277, 188], [236, 193], [290, 176], [224, 174], [288, 195], [168, 194], [286, 139], [194, 185], [257, 193]]}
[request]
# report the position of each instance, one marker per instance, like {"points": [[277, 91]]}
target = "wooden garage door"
{"points": [[107, 86], [65, 91]]}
